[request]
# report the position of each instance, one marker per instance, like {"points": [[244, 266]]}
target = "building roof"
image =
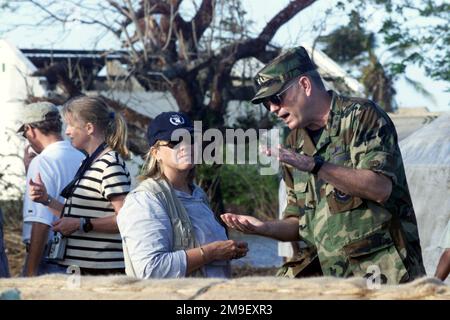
{"points": [[409, 120], [43, 57]]}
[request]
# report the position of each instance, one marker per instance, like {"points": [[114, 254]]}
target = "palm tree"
{"points": [[354, 46]]}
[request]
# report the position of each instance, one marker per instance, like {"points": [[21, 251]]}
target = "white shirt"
{"points": [[57, 164]]}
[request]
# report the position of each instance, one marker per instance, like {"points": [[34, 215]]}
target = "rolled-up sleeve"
{"points": [[374, 145], [37, 212], [146, 230]]}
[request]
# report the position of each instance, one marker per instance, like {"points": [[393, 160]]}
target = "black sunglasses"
{"points": [[170, 144], [173, 144], [25, 129], [277, 99]]}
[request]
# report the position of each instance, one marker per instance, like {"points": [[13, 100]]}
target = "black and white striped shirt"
{"points": [[106, 178]]}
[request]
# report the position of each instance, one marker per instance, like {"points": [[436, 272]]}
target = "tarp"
{"points": [[426, 156]]}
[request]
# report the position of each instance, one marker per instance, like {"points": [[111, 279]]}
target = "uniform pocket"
{"points": [[305, 196], [376, 256], [341, 158], [339, 201], [306, 204], [304, 264], [300, 181]]}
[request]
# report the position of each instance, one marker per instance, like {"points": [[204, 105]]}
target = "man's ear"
{"points": [[31, 131], [90, 128], [306, 84]]}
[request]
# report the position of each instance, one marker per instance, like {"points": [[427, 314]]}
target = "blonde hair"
{"points": [[152, 168], [96, 111]]}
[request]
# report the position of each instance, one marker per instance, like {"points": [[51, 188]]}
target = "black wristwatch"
{"points": [[318, 163], [87, 225]]}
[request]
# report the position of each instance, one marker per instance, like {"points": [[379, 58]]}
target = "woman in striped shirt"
{"points": [[98, 190]]}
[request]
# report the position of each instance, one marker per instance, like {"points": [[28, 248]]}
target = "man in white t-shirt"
{"points": [[55, 165]]}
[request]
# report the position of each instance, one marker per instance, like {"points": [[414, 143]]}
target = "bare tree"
{"points": [[192, 58]]}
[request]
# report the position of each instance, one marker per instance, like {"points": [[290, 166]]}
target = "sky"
{"points": [[303, 28]]}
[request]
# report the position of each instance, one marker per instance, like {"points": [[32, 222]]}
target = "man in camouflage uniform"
{"points": [[348, 199]]}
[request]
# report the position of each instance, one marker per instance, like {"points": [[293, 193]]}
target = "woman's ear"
{"points": [[89, 128], [154, 152]]}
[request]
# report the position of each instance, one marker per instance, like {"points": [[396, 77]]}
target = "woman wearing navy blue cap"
{"points": [[168, 229]]}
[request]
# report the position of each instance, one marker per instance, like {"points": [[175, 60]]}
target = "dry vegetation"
{"points": [[15, 250]]}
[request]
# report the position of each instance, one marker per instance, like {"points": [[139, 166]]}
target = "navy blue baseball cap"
{"points": [[162, 127]]}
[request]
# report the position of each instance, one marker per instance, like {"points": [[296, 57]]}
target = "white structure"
{"points": [[426, 156], [327, 67], [132, 94], [409, 120], [15, 84]]}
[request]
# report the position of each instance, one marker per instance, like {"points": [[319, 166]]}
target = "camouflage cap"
{"points": [[271, 79], [36, 112]]}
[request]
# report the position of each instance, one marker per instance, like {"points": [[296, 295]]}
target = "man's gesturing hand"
{"points": [[299, 161], [246, 224]]}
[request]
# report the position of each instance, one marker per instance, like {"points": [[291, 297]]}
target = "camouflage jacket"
{"points": [[351, 235]]}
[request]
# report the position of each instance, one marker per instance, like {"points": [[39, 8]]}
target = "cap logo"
{"points": [[176, 120], [261, 79]]}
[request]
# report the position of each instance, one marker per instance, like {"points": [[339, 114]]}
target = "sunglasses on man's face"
{"points": [[277, 99], [24, 132]]}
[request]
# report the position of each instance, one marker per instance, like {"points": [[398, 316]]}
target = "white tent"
{"points": [[16, 83], [426, 156]]}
